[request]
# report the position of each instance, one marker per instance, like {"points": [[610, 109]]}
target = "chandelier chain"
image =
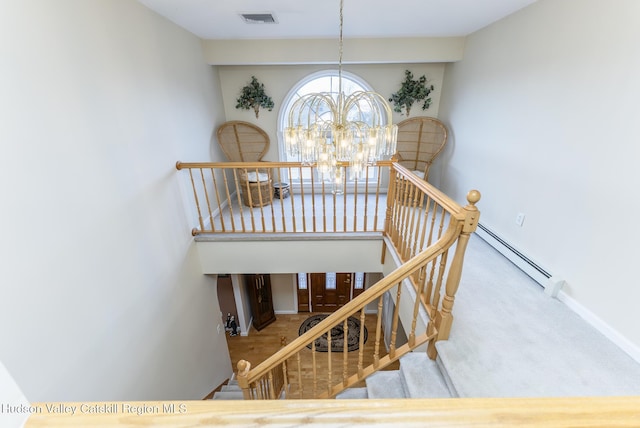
{"points": [[335, 130]]}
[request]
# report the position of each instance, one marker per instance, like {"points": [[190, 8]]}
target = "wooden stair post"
{"points": [[243, 370], [444, 318]]}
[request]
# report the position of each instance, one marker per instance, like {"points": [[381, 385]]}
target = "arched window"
{"points": [[322, 81]]}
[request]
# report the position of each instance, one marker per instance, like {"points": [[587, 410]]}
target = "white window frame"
{"points": [[290, 98]]}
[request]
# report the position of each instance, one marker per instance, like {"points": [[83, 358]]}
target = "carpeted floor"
{"points": [[509, 339]]}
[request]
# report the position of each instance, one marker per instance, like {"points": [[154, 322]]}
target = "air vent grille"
{"points": [[258, 18]]}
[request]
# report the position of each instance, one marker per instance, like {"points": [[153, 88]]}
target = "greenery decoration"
{"points": [[410, 92], [253, 96]]}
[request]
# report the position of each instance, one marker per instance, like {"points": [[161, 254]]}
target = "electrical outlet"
{"points": [[218, 328], [520, 219]]}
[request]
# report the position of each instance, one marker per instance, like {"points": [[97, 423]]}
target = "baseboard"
{"points": [[592, 319], [528, 266], [542, 277], [245, 332], [286, 312]]}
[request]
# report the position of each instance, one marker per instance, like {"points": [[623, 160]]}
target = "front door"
{"points": [[329, 291]]}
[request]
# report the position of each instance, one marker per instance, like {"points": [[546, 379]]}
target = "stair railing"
{"points": [[421, 225], [228, 202]]}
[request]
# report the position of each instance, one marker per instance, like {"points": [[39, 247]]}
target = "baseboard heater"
{"points": [[528, 266]]}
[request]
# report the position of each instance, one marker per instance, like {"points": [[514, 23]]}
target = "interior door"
{"points": [[329, 291], [261, 301]]}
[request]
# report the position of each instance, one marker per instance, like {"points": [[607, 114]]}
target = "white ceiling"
{"points": [[220, 19]]}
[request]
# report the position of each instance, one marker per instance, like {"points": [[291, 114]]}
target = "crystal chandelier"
{"points": [[331, 130]]}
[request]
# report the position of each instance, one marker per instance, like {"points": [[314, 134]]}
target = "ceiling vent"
{"points": [[259, 18]]}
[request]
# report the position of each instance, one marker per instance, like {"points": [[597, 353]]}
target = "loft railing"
{"points": [[240, 197], [424, 228]]}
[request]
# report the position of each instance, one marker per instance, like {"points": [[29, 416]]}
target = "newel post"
{"points": [[243, 371], [444, 318]]}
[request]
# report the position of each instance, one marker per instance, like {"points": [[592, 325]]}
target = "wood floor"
{"points": [[259, 345]]}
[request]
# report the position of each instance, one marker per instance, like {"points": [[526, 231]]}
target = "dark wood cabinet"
{"points": [[260, 299]]}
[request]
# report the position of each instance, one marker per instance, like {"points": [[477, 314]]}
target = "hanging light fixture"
{"points": [[327, 129]]}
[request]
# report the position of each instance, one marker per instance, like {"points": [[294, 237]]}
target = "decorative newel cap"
{"points": [[473, 197], [242, 365]]}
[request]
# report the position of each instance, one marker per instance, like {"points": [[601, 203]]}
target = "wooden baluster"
{"points": [[300, 382], [376, 352], [239, 198], [250, 200], [419, 228], [243, 371], [443, 217], [392, 205], [206, 197], [355, 205], [229, 201], [438, 285], [195, 195], [397, 236], [366, 199], [263, 392], [335, 216], [425, 224], [313, 202], [304, 211], [285, 379], [330, 371], [414, 319], [394, 326], [405, 220], [429, 239], [324, 207], [344, 199], [272, 391], [275, 176], [345, 352], [389, 198], [314, 366], [401, 209], [361, 347], [281, 200], [412, 225], [218, 201], [293, 208], [260, 202], [445, 317]]}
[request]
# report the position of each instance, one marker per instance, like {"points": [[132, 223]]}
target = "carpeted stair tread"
{"points": [[228, 395], [230, 388], [421, 377], [353, 393], [385, 384]]}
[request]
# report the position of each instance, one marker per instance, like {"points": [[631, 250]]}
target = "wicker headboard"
{"points": [[420, 140], [242, 141]]}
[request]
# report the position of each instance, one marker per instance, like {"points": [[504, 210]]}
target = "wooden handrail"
{"points": [[260, 164], [445, 413]]}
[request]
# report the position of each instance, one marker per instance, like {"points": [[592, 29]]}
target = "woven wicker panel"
{"points": [[242, 141], [420, 140]]}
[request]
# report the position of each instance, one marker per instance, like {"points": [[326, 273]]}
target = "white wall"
{"points": [[102, 298], [284, 292], [544, 111]]}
